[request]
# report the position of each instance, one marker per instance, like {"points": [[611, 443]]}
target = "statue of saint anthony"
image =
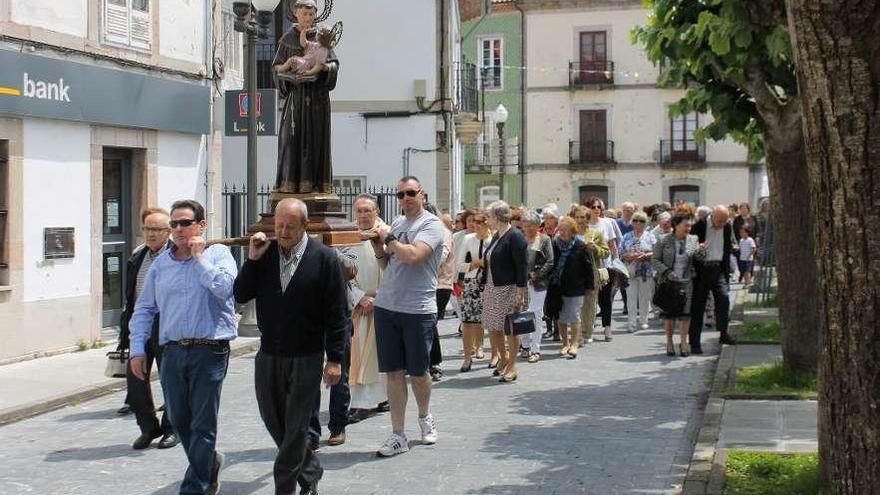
{"points": [[304, 163]]}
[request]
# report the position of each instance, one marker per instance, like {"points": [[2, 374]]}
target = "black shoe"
{"points": [[727, 339], [310, 490], [168, 440], [383, 407], [314, 445], [356, 416], [436, 374], [145, 440], [125, 409], [547, 335], [625, 311], [465, 368], [214, 485], [696, 350], [161, 408]]}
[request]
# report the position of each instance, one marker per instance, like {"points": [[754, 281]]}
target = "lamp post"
{"points": [[501, 115], [254, 27]]}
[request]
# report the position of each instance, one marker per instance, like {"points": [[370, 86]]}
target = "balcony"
{"points": [[590, 74], [591, 154], [685, 152], [484, 158]]}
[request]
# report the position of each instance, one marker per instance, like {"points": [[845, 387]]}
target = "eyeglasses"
{"points": [[186, 222], [153, 230], [596, 207], [411, 193], [638, 221]]}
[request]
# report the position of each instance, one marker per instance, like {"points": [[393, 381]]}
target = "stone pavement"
{"points": [[619, 419]]}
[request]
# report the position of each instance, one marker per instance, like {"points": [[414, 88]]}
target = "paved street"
{"points": [[619, 419]]}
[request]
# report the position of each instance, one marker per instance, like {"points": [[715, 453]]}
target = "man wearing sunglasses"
{"points": [[405, 310], [189, 288]]}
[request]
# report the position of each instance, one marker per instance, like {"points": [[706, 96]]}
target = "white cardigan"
{"points": [[470, 244]]}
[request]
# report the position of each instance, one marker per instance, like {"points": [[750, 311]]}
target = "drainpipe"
{"points": [[523, 130]]}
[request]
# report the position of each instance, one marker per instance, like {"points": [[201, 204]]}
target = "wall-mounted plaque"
{"points": [[58, 243]]}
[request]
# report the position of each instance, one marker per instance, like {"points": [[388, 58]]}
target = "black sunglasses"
{"points": [[411, 193], [638, 221], [186, 222]]}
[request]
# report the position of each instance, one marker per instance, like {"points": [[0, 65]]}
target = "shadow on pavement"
{"points": [[94, 453], [568, 431]]}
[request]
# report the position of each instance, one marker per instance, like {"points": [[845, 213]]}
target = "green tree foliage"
{"points": [[723, 52]]}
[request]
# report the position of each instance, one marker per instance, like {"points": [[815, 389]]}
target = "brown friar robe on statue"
{"points": [[304, 163]]}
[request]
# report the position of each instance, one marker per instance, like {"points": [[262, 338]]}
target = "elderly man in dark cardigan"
{"points": [[302, 314]]}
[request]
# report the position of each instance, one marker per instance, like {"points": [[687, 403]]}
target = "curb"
{"points": [[705, 474], [106, 386]]}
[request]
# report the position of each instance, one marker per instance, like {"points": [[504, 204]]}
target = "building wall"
{"points": [[181, 167], [641, 184], [182, 35], [56, 194], [68, 17], [637, 118]]}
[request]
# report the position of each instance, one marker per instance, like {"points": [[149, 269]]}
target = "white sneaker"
{"points": [[429, 429], [394, 444], [644, 326], [590, 340]]}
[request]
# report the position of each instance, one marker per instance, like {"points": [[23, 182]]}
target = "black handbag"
{"points": [[519, 323], [670, 297]]}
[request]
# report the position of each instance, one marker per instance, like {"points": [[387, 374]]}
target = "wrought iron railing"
{"points": [[587, 152], [590, 73], [481, 157], [682, 151], [467, 87]]}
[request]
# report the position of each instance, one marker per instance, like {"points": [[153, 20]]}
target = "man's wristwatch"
{"points": [[390, 237]]}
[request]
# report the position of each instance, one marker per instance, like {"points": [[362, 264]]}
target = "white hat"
{"points": [[306, 3]]}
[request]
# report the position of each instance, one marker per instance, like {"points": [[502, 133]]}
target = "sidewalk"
{"points": [[45, 384], [734, 422]]}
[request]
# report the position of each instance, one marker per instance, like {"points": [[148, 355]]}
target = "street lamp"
{"points": [[254, 27], [501, 115]]}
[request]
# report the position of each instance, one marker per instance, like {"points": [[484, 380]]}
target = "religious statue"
{"points": [[306, 68]]}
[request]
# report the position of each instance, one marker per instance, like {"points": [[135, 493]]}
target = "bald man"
{"points": [[713, 275], [302, 314]]}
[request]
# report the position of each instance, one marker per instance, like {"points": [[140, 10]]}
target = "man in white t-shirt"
{"points": [[410, 251]]}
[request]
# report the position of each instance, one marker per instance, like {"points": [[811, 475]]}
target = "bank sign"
{"points": [[237, 112], [35, 86]]}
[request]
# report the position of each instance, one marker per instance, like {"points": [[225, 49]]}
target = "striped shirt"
{"points": [[288, 265], [149, 258]]}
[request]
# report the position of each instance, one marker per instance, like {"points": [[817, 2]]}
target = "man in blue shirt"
{"points": [[190, 288]]}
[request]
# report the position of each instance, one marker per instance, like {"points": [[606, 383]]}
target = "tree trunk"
{"points": [[798, 293], [839, 70]]}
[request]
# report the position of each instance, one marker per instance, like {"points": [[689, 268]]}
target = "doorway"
{"points": [[116, 231]]}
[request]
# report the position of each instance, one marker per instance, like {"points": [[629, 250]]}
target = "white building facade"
{"points": [[395, 102], [598, 124], [105, 109]]}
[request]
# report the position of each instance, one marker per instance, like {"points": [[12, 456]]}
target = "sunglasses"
{"points": [[186, 222], [411, 193], [638, 221]]}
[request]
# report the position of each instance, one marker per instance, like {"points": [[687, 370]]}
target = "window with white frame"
{"points": [[487, 195], [355, 184], [128, 23], [232, 44], [491, 58]]}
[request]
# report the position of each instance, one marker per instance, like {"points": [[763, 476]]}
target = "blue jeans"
{"points": [[192, 378], [340, 397]]}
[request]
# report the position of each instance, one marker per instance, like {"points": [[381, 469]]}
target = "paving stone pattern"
{"points": [[619, 419]]}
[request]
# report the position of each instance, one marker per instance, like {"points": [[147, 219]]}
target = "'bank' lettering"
{"points": [[42, 90]]}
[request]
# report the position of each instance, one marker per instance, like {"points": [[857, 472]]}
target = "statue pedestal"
{"points": [[327, 222]]}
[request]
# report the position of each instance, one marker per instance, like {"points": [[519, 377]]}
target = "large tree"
{"points": [[735, 59], [838, 57]]}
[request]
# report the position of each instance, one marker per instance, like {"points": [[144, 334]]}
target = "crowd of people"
{"points": [[362, 318]]}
